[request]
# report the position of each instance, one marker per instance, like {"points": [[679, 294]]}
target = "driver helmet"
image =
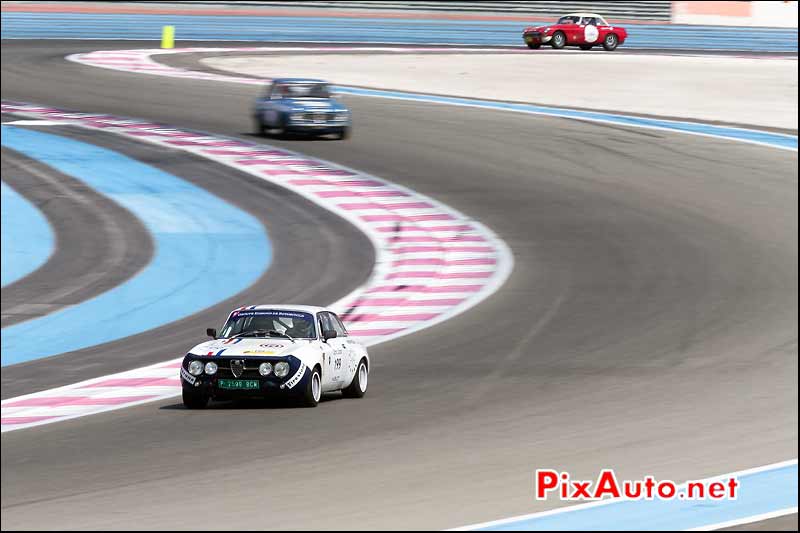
{"points": [[300, 328]]}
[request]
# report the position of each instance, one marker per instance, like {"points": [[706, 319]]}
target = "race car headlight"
{"points": [[282, 369], [264, 369], [211, 368], [195, 368]]}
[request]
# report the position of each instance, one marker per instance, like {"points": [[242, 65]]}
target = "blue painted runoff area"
{"points": [[761, 492], [205, 250], [26, 238], [23, 25], [777, 140]]}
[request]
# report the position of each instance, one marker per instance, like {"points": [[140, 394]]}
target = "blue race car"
{"points": [[305, 106]]}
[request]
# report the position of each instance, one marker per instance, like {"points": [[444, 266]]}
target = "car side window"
{"points": [[338, 326], [325, 322]]}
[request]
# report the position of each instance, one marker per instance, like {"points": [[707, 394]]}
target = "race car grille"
{"points": [[533, 34], [225, 372], [318, 116]]}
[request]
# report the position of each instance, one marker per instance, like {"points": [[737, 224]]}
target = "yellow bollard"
{"points": [[168, 37]]}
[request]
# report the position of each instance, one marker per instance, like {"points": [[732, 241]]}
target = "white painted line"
{"points": [[747, 520], [34, 123]]}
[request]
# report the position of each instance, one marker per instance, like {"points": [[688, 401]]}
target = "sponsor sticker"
{"points": [[214, 347], [294, 380], [258, 352], [187, 376], [590, 33], [267, 312]]}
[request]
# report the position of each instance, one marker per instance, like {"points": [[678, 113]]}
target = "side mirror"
{"points": [[211, 332], [328, 334]]}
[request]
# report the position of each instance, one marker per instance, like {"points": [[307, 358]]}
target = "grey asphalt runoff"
{"points": [[99, 244], [193, 61], [649, 325]]}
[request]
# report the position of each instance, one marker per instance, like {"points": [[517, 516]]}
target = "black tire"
{"points": [[344, 133], [559, 40], [534, 46], [280, 132], [312, 393], [610, 42], [586, 46], [358, 387], [194, 399], [260, 128]]}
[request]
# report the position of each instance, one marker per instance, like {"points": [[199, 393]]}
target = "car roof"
{"points": [[297, 80], [280, 307], [582, 14]]}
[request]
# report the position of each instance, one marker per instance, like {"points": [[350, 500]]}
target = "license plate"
{"points": [[238, 384]]}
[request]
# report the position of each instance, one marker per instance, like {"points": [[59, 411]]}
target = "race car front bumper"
{"points": [[536, 38], [252, 385], [316, 129]]}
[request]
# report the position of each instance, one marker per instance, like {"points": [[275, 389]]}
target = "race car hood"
{"points": [[535, 28], [260, 347], [315, 104]]}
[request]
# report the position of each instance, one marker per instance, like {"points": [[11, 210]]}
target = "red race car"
{"points": [[584, 30]]}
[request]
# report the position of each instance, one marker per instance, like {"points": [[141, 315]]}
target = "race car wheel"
{"points": [[194, 399], [358, 387], [586, 47], [610, 42], [279, 131], [260, 128], [534, 46], [559, 40], [313, 390], [344, 133]]}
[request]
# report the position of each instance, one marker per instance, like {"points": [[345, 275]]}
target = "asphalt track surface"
{"points": [[193, 61], [307, 252], [650, 325]]}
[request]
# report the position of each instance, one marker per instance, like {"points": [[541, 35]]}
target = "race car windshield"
{"points": [[260, 322], [304, 90], [568, 20]]}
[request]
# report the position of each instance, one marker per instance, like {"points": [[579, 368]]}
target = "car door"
{"points": [[334, 371], [271, 107], [572, 30], [351, 357], [590, 33]]}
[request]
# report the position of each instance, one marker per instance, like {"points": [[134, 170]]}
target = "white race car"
{"points": [[266, 350]]}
